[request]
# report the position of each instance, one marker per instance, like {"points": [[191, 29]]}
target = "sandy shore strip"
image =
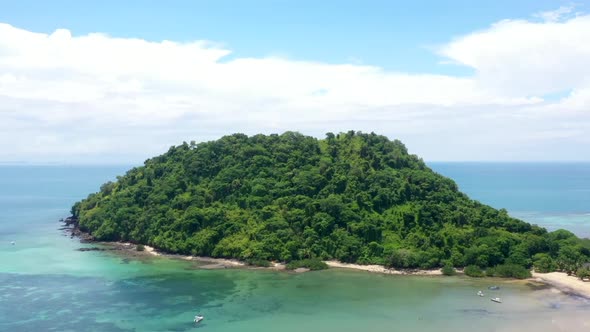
{"points": [[214, 261], [559, 280], [383, 269], [565, 283], [151, 250], [224, 263]]}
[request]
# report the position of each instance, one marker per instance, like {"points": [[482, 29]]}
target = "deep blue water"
{"points": [[540, 187], [34, 197], [553, 195]]}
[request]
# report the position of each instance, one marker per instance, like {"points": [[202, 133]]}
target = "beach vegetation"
{"points": [[313, 264], [474, 271], [448, 270], [569, 259], [583, 273], [509, 271], [544, 263], [258, 262]]}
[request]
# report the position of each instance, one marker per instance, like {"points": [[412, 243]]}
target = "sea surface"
{"points": [[552, 195], [47, 285]]}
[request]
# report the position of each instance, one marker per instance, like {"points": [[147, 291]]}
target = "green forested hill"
{"points": [[353, 197]]}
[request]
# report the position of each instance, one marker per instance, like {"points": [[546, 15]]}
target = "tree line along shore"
{"points": [[569, 284], [354, 198]]}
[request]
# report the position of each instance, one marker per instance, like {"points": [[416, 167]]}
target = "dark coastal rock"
{"points": [[71, 224], [70, 221], [91, 249], [538, 286], [214, 266], [84, 237], [110, 248], [476, 311]]}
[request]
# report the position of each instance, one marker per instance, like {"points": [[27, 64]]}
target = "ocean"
{"points": [[552, 195], [48, 285]]}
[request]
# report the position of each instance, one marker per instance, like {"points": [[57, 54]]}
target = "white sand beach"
{"points": [[563, 282], [559, 280], [383, 269], [222, 262], [214, 261]]}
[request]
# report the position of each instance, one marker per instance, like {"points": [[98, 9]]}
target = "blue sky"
{"points": [[121, 81], [395, 35]]}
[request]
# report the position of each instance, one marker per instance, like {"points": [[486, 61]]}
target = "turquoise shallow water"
{"points": [[46, 285]]}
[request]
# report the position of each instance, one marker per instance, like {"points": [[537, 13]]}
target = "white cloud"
{"points": [[97, 98], [524, 58], [555, 15]]}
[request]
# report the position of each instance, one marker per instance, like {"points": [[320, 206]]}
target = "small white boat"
{"points": [[496, 299], [12, 242], [480, 293], [198, 319]]}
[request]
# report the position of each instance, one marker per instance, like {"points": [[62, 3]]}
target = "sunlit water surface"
{"points": [[47, 285]]}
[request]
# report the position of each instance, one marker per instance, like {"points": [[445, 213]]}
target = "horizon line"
{"points": [[113, 164]]}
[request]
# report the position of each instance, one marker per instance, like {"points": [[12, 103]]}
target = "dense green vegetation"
{"points": [[310, 263], [583, 273], [474, 271], [258, 262], [352, 197], [508, 271], [448, 270]]}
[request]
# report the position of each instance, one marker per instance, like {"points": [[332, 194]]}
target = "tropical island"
{"points": [[351, 197]]}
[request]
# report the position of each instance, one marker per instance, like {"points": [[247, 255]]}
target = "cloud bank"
{"points": [[102, 99]]}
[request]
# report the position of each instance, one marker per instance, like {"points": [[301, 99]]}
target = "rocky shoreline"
{"points": [[72, 224], [71, 227]]}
